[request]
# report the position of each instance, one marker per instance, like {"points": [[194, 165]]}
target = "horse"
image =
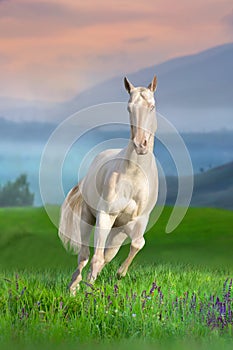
{"points": [[117, 194]]}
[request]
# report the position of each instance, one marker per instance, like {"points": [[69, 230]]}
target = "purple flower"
{"points": [[154, 286]]}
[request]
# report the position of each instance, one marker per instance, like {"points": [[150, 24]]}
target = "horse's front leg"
{"points": [[104, 223], [137, 243]]}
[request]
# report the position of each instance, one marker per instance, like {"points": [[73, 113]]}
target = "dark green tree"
{"points": [[16, 193]]}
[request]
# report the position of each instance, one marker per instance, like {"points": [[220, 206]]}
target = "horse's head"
{"points": [[141, 107]]}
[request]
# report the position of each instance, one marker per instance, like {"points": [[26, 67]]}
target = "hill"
{"points": [[29, 239], [213, 188]]}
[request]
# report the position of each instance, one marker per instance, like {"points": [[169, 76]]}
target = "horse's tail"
{"points": [[70, 218]]}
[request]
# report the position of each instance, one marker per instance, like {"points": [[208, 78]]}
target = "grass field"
{"points": [[177, 294]]}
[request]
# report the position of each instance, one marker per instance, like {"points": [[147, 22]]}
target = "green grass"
{"points": [[189, 266]]}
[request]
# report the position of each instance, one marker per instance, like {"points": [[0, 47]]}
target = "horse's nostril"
{"points": [[142, 144]]}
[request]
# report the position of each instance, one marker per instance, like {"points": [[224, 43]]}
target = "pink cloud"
{"points": [[54, 49]]}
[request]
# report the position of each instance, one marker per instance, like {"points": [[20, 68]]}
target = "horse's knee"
{"points": [[138, 243], [97, 261], [109, 254]]}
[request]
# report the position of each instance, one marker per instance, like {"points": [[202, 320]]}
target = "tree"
{"points": [[16, 193]]}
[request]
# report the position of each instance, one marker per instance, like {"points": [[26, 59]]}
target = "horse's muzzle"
{"points": [[141, 147]]}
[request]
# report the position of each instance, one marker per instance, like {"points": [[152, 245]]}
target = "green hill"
{"points": [[29, 240]]}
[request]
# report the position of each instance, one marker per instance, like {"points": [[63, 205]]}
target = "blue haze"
{"points": [[207, 150]]}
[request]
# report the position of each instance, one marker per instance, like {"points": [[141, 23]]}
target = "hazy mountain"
{"points": [[204, 80], [24, 110], [213, 188], [194, 92], [25, 131]]}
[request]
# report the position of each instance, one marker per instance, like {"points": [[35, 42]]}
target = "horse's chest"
{"points": [[127, 214], [132, 207]]}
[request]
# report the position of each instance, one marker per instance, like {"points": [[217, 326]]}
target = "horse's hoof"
{"points": [[119, 276], [73, 290], [121, 273]]}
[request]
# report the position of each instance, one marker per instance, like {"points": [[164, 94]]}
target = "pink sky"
{"points": [[53, 49]]}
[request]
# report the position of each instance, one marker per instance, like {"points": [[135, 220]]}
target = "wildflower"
{"points": [[143, 295], [154, 286], [116, 288], [16, 282], [134, 315], [23, 290]]}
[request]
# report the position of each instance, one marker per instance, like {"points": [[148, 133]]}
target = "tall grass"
{"points": [[153, 302], [171, 301]]}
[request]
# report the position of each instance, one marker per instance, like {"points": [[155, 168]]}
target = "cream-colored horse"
{"points": [[117, 195]]}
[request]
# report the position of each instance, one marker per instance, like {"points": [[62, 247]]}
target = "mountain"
{"points": [[213, 188], [194, 93], [20, 110], [203, 79], [32, 131]]}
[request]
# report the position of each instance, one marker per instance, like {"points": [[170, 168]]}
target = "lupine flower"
{"points": [[154, 286], [16, 282], [23, 290]]}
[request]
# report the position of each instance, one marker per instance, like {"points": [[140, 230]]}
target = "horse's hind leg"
{"points": [[113, 244], [135, 246], [84, 253]]}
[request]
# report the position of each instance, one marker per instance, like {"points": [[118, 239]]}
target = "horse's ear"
{"points": [[129, 87], [152, 86]]}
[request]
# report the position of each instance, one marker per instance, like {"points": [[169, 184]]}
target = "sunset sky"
{"points": [[51, 50]]}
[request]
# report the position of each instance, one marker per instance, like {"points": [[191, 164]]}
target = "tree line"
{"points": [[16, 193]]}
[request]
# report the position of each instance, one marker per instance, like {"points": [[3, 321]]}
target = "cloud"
{"points": [[139, 39], [32, 10], [24, 18], [53, 48], [228, 19], [3, 57]]}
